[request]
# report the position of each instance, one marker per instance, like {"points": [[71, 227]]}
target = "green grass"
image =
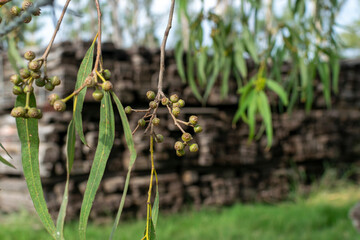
{"points": [[323, 216]]}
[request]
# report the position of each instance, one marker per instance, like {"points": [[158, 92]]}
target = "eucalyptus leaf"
{"points": [[278, 89], [265, 112], [103, 149]]}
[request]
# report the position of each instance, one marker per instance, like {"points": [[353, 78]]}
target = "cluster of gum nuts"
{"points": [[23, 83], [174, 104], [17, 11]]}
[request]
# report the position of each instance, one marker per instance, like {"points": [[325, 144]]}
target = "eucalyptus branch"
{"points": [[98, 52], [162, 49], [46, 53]]}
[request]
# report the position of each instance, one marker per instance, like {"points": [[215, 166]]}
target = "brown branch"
{"points": [[175, 120], [162, 49], [46, 53], [98, 53]]}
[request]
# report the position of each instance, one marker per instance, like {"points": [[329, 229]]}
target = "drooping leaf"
{"points": [[304, 78], [278, 89], [243, 105], [265, 112], [1, 146], [225, 78], [250, 44], [252, 116], [4, 161], [70, 153], [218, 60], [155, 209], [201, 64], [130, 144], [239, 59], [335, 68], [324, 73], [14, 55], [179, 51], [29, 138], [190, 75], [103, 149], [84, 71]]}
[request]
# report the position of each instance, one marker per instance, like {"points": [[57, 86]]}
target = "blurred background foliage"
{"points": [[214, 43]]}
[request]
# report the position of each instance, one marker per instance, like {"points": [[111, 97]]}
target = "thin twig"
{"points": [[46, 53], [98, 52], [162, 50], [175, 120]]}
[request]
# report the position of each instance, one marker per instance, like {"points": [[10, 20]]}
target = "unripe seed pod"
{"points": [[59, 106], [98, 95], [37, 12], [142, 122], [26, 4], [89, 81], [33, 113], [193, 119], [52, 98], [15, 11], [194, 147], [35, 74], [107, 86], [150, 95], [40, 115], [28, 89], [40, 82], [29, 55], [198, 129], [181, 103], [164, 101], [15, 79], [176, 111], [27, 19], [34, 65], [128, 110], [49, 86], [186, 137], [17, 90], [24, 73], [174, 98], [55, 81], [18, 112], [152, 104], [159, 138], [179, 146], [176, 105], [156, 121], [107, 74], [180, 153]]}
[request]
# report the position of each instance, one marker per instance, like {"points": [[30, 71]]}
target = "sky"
{"points": [[349, 13]]}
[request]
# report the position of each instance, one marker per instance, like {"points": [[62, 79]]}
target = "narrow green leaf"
{"points": [[130, 144], [335, 68], [304, 78], [225, 78], [1, 146], [179, 51], [218, 59], [105, 143], [29, 138], [15, 58], [278, 89], [201, 64], [265, 112], [252, 117], [4, 161], [239, 59], [70, 150], [324, 73], [190, 75], [84, 71], [243, 104], [250, 45], [155, 209]]}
